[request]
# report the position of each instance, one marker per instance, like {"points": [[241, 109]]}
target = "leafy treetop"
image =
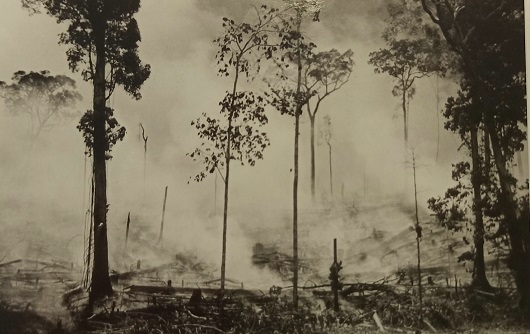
{"points": [[86, 19], [247, 140], [46, 99]]}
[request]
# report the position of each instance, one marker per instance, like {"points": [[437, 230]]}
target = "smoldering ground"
{"points": [[46, 185]]}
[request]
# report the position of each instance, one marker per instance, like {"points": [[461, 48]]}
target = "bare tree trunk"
{"points": [[160, 236], [215, 197], [437, 119], [298, 111], [418, 237], [225, 219], [405, 184], [144, 138], [228, 154], [100, 286], [405, 120], [479, 267], [330, 172], [335, 280], [295, 210], [312, 122], [127, 230]]}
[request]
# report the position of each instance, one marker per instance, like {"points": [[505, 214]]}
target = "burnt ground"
{"points": [[376, 245]]}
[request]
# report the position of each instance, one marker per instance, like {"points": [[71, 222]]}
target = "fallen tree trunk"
{"points": [[189, 291], [362, 287], [10, 262]]}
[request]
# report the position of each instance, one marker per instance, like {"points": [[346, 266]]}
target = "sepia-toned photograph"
{"points": [[264, 167]]}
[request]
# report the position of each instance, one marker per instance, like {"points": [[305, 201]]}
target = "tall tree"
{"points": [[324, 73], [415, 50], [418, 229], [406, 61], [236, 134], [489, 38], [45, 99], [103, 38], [291, 101], [464, 117]]}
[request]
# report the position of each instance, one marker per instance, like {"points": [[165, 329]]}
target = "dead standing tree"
{"points": [[334, 277], [103, 36], [127, 229], [236, 134], [160, 236], [418, 230], [144, 138]]}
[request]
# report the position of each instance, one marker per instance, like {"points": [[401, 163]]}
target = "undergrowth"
{"points": [[443, 309]]}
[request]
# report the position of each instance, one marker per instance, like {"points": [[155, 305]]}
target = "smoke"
{"points": [[45, 190]]}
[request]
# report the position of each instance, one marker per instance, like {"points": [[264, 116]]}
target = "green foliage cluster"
{"points": [[121, 35], [414, 48], [235, 134]]}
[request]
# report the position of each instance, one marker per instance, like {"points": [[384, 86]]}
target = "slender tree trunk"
{"points": [[161, 235], [225, 219], [215, 197], [405, 120], [312, 122], [517, 225], [437, 119], [100, 286], [227, 179], [335, 281], [298, 111], [295, 211], [330, 172], [406, 179], [418, 237], [127, 229], [145, 168], [479, 267]]}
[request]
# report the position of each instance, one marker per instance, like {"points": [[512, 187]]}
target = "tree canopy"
{"points": [[122, 35], [45, 99]]}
